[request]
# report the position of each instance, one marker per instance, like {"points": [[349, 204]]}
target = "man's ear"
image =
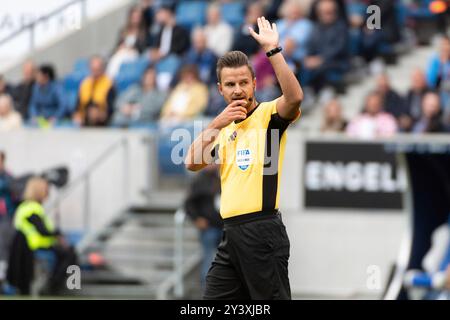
{"points": [[254, 84], [219, 87]]}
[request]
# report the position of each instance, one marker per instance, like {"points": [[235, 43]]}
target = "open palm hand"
{"points": [[268, 34]]}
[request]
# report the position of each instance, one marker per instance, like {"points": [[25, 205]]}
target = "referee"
{"points": [[247, 139]]}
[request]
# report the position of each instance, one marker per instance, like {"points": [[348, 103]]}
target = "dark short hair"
{"points": [[233, 59], [48, 70], [2, 156]]}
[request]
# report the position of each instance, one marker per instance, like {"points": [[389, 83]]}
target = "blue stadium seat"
{"points": [[130, 73], [124, 81], [134, 68], [82, 66], [72, 81], [71, 101], [233, 13], [166, 165], [170, 64], [191, 13]]}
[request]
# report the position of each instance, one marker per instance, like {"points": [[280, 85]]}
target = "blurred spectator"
{"points": [[96, 92], [294, 26], [6, 196], [267, 86], [6, 212], [289, 55], [134, 34], [9, 118], [188, 99], [5, 88], [35, 232], [373, 122], [47, 99], [148, 12], [204, 58], [139, 104], [216, 103], [415, 94], [340, 5], [438, 74], [431, 115], [364, 42], [272, 9], [202, 206], [327, 59], [376, 42], [390, 25], [132, 41], [166, 36], [24, 90], [393, 103], [243, 41], [332, 117], [219, 34]]}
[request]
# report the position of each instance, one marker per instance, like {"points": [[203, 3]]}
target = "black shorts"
{"points": [[251, 260]]}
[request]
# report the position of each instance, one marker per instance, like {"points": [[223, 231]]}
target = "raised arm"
{"points": [[288, 106]]}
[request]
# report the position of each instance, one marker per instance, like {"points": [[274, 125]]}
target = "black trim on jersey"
{"points": [[270, 181], [215, 152]]}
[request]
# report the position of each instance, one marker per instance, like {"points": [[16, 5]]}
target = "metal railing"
{"points": [[31, 27], [179, 219], [182, 265], [84, 178]]}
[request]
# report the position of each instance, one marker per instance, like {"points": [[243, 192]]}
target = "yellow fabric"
{"points": [[34, 239], [192, 98], [241, 153], [95, 91]]}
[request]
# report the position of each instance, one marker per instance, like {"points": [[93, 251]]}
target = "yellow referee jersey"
{"points": [[250, 153]]}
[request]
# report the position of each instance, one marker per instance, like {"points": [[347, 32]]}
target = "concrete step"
{"points": [[118, 291]]}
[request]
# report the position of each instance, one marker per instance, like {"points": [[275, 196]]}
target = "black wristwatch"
{"points": [[273, 51]]}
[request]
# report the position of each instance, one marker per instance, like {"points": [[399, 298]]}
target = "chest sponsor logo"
{"points": [[243, 158]]}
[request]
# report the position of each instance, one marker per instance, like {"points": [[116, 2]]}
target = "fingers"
{"points": [[260, 23], [238, 103], [266, 23], [238, 116], [252, 32], [274, 27], [236, 110]]}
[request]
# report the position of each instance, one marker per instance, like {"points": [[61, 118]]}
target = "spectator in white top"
{"points": [[132, 42], [9, 118], [218, 32]]}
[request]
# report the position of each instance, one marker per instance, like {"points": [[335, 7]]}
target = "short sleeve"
{"points": [[274, 110]]}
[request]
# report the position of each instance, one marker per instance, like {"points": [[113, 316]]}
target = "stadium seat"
{"points": [[191, 13], [170, 64], [130, 73], [72, 81], [82, 66], [233, 13], [134, 68]]}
